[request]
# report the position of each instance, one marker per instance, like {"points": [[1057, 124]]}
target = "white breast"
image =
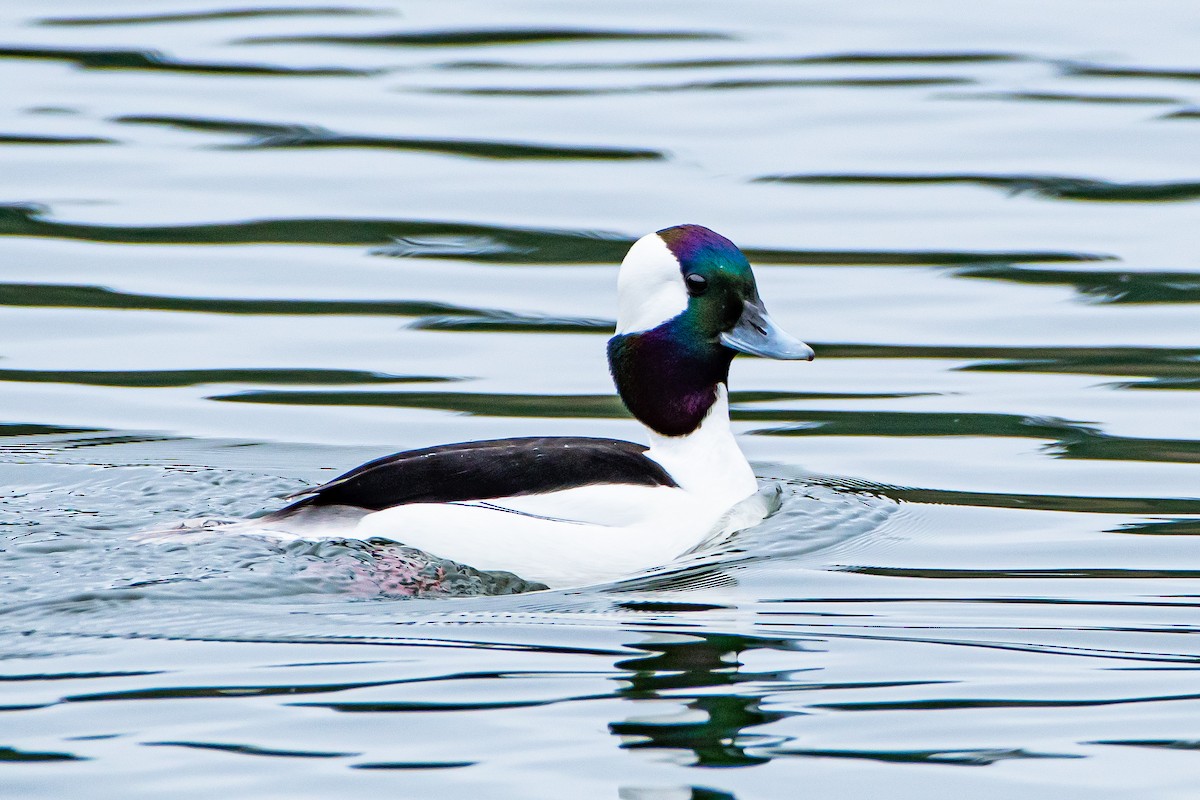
{"points": [[708, 462]]}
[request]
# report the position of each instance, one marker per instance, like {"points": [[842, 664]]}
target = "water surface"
{"points": [[245, 247]]}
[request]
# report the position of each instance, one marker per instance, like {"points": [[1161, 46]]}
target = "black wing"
{"points": [[487, 470]]}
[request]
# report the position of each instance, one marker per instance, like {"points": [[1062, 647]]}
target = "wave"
{"points": [[489, 36], [204, 16], [277, 136], [1058, 187], [114, 59]]}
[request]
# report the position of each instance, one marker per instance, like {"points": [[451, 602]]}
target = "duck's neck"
{"points": [[676, 386], [707, 461], [667, 376]]}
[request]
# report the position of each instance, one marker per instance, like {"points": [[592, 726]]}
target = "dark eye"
{"points": [[696, 284]]}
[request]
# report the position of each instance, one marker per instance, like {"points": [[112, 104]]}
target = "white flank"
{"points": [[604, 532], [650, 287]]}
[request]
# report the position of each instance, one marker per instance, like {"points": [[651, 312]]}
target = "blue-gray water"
{"points": [[243, 247]]}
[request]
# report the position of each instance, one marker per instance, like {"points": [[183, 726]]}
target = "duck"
{"points": [[567, 511]]}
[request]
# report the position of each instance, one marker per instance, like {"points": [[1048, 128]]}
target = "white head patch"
{"points": [[650, 287]]}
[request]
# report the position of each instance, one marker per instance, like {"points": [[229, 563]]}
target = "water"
{"points": [[245, 247]]}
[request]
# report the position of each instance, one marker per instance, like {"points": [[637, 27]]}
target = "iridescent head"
{"points": [[687, 302]]}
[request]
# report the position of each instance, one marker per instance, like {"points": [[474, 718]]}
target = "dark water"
{"points": [[245, 246]]}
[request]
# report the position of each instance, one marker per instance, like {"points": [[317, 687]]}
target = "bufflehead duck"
{"points": [[569, 510]]}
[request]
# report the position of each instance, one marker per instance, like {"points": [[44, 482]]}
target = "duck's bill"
{"points": [[757, 334]]}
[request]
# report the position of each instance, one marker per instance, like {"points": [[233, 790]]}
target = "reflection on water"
{"points": [[245, 247], [713, 727]]}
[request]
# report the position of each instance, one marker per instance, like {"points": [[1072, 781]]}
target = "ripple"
{"points": [[1046, 502], [512, 245], [490, 36], [509, 244], [95, 58], [1166, 744], [606, 406], [251, 750], [931, 258], [666, 606], [1108, 71], [1159, 384], [406, 765], [1104, 447], [31, 138], [32, 295], [1161, 363], [10, 754], [917, 57], [284, 136], [1058, 187], [1102, 286], [1067, 439], [200, 377], [445, 246], [23, 429], [229, 692], [200, 16], [78, 676], [1168, 527], [40, 295], [431, 315], [922, 423], [881, 57], [1065, 97], [960, 758], [728, 84], [416, 707], [954, 703], [509, 322], [506, 405]]}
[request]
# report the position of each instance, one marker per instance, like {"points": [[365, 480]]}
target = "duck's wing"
{"points": [[486, 470]]}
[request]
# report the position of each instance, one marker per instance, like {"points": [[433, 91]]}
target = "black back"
{"points": [[487, 470]]}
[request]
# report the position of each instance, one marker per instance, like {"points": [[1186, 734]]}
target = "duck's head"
{"points": [[688, 303]]}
